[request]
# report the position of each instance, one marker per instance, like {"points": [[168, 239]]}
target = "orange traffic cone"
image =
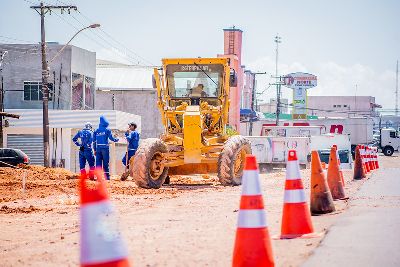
{"points": [[321, 197], [101, 243], [296, 217], [253, 244], [359, 172], [339, 163], [334, 180]]}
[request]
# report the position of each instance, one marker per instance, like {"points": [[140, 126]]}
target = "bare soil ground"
{"points": [[191, 222]]}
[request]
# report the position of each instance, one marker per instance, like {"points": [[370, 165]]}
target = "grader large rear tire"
{"points": [[148, 170], [231, 160]]}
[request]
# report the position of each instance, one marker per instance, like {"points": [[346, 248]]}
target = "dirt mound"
{"points": [[39, 182], [6, 210]]}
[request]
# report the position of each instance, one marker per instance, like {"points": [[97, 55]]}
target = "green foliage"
{"points": [[230, 131]]}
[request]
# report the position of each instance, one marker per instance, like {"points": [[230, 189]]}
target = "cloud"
{"points": [[333, 79]]}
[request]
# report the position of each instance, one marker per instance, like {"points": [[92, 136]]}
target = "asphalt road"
{"points": [[368, 233]]}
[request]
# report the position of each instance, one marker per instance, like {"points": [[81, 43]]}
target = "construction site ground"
{"points": [[191, 222]]}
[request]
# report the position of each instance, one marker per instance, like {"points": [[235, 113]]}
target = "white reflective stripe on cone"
{"points": [[294, 196], [292, 170], [100, 237], [250, 183], [252, 219]]}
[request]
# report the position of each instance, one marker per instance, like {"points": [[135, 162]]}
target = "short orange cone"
{"points": [[321, 200], [253, 243], [101, 243], [334, 179], [296, 217], [359, 172]]}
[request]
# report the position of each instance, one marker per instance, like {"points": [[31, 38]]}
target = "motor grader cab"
{"points": [[193, 100]]}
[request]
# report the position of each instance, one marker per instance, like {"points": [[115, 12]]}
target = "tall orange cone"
{"points": [[334, 179], [359, 172], [340, 165], [253, 244], [101, 242], [321, 200], [296, 217]]}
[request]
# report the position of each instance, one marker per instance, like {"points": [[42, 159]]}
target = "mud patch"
{"points": [[7, 210]]}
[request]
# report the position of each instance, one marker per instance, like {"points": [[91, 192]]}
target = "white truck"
{"points": [[389, 141], [271, 151]]}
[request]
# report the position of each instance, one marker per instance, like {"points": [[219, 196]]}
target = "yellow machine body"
{"points": [[193, 100]]}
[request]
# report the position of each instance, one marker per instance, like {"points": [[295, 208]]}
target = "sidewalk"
{"points": [[368, 233]]}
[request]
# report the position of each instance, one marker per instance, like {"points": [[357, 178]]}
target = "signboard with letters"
{"points": [[300, 82]]}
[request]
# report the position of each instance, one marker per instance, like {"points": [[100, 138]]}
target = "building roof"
{"points": [[33, 118], [123, 77]]}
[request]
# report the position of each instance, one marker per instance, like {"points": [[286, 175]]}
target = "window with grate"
{"points": [[33, 91]]}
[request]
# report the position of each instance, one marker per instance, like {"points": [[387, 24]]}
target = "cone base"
{"points": [[305, 236], [253, 248], [296, 219], [322, 203], [116, 263]]}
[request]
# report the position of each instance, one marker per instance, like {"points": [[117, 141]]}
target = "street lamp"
{"points": [[45, 88], [62, 49]]}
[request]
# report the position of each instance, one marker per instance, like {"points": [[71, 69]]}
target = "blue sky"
{"points": [[344, 43]]}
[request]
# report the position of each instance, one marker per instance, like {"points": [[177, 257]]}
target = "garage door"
{"points": [[30, 144]]}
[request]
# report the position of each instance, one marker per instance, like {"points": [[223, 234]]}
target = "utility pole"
{"points": [[253, 99], [42, 10], [2, 55], [278, 40], [397, 89]]}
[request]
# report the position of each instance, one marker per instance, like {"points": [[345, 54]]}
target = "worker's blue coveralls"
{"points": [[133, 143], [85, 148], [101, 137]]}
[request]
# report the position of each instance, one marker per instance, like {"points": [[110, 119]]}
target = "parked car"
{"points": [[13, 157]]}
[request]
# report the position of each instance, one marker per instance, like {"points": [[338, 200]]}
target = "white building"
{"points": [[271, 106], [129, 89], [342, 106]]}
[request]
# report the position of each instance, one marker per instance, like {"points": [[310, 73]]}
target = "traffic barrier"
{"points": [[252, 244], [101, 242], [296, 216], [373, 158], [370, 160], [364, 158], [376, 158], [359, 172], [321, 200], [334, 180]]}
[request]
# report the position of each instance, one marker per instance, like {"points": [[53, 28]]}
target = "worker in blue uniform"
{"points": [[132, 136], [101, 146], [85, 148]]}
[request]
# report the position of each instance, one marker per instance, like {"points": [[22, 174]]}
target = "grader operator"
{"points": [[193, 100]]}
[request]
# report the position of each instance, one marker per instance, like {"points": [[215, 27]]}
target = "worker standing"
{"points": [[101, 146], [85, 148], [132, 136]]}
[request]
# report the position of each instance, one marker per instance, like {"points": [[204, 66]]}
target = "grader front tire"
{"points": [[148, 170], [231, 160]]}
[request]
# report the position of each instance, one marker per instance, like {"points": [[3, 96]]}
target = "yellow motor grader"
{"points": [[193, 99]]}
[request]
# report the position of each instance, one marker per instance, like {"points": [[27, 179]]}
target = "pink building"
{"points": [[233, 51]]}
